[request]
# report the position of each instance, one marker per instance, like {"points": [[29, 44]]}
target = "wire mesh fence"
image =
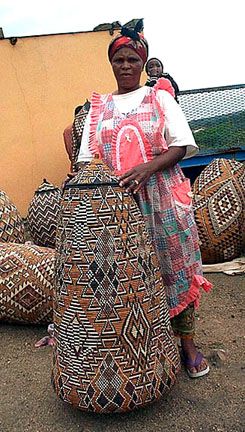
{"points": [[216, 116]]}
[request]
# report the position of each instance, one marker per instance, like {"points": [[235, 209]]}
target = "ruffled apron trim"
{"points": [[193, 295], [129, 146], [164, 84]]}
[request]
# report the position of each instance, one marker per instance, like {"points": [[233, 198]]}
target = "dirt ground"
{"points": [[212, 403]]}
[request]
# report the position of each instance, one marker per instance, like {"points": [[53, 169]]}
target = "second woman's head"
{"points": [[154, 67], [127, 55]]}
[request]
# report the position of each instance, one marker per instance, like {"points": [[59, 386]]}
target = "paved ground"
{"points": [[213, 403]]}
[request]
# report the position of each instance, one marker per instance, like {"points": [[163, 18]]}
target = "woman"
{"points": [[155, 70], [142, 134]]}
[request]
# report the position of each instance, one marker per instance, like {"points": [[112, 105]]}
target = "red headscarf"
{"points": [[130, 39]]}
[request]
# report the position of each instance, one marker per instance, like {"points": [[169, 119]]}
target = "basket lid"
{"points": [[93, 173], [46, 186]]}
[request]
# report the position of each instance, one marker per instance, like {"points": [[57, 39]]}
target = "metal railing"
{"points": [[216, 116]]}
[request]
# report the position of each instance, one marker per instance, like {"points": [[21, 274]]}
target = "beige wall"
{"points": [[42, 80]]}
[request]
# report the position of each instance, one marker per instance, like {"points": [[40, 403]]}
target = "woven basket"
{"points": [[114, 349], [77, 131], [219, 210], [11, 224], [26, 283], [43, 213]]}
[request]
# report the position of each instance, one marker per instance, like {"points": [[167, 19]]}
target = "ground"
{"points": [[212, 403]]}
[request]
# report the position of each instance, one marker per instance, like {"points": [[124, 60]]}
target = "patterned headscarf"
{"points": [[131, 39]]}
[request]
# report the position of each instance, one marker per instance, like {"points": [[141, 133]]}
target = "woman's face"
{"points": [[127, 66], [154, 68]]}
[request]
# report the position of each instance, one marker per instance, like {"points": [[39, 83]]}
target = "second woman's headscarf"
{"points": [[132, 39]]}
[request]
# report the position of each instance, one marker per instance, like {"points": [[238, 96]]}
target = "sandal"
{"points": [[195, 363]]}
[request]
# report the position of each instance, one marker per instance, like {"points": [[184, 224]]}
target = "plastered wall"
{"points": [[43, 79]]}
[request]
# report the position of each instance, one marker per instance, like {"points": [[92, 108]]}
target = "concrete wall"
{"points": [[43, 79]]}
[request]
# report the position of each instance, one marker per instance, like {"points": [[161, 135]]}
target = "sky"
{"points": [[199, 42]]}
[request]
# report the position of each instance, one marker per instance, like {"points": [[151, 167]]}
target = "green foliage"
{"points": [[220, 132]]}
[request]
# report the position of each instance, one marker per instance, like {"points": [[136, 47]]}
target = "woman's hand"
{"points": [[134, 179], [139, 175]]}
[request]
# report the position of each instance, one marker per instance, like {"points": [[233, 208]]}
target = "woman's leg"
{"points": [[184, 327]]}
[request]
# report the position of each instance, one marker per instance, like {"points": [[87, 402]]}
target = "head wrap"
{"points": [[131, 39], [150, 59]]}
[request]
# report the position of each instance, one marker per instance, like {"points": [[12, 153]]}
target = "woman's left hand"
{"points": [[134, 179]]}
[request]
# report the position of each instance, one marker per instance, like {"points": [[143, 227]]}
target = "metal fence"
{"points": [[216, 116]]}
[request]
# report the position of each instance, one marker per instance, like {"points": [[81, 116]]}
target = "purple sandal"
{"points": [[195, 363]]}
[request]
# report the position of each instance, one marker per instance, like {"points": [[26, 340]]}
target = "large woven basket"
{"points": [[114, 349], [219, 210], [43, 213], [11, 224], [26, 283]]}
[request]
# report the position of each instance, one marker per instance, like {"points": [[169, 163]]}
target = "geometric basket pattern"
{"points": [[77, 131], [26, 283], [114, 348], [219, 208], [11, 224], [43, 213]]}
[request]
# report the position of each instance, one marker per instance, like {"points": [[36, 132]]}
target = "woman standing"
{"points": [[142, 134]]}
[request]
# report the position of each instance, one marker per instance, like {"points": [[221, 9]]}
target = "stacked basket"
{"points": [[219, 210], [43, 213], [11, 223], [27, 270]]}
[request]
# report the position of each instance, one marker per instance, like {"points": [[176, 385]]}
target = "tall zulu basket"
{"points": [[114, 349], [11, 224], [219, 210], [43, 214]]}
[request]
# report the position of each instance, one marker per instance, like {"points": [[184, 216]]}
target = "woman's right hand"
{"points": [[135, 178]]}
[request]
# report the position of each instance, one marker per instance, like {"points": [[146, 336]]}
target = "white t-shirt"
{"points": [[177, 131]]}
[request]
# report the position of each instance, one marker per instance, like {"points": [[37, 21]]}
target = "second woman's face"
{"points": [[154, 68], [127, 66]]}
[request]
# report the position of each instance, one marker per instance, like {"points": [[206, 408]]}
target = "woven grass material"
{"points": [[11, 224], [219, 209], [43, 213], [114, 349], [77, 131], [26, 283]]}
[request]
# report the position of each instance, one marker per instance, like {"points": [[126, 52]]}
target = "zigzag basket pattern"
{"points": [[26, 283], [114, 348], [219, 210], [43, 213], [11, 224]]}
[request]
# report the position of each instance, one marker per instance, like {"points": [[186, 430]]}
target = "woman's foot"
{"points": [[196, 365]]}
